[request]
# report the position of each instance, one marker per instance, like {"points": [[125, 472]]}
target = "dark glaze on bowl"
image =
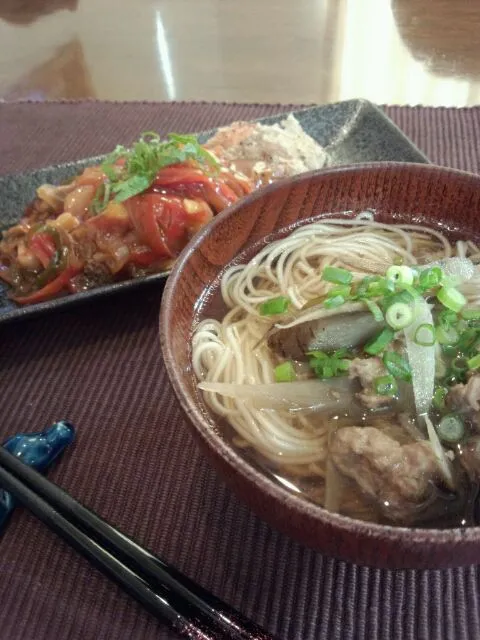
{"points": [[407, 192]]}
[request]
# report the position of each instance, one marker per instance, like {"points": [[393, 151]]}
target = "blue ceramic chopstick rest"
{"points": [[38, 450]]}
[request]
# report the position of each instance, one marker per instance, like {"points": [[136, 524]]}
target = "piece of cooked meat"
{"points": [[396, 477], [465, 398], [470, 457], [366, 370]]}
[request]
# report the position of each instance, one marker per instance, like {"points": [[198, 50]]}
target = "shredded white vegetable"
{"points": [[439, 452], [421, 359]]}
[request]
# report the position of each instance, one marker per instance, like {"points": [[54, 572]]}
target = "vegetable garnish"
{"points": [[400, 275], [337, 275], [399, 315], [274, 306], [470, 313], [446, 336], [425, 335], [285, 372], [386, 386], [451, 298], [333, 302], [374, 309], [380, 342], [143, 161], [430, 278], [439, 398], [397, 366], [329, 366], [474, 363], [451, 429]]}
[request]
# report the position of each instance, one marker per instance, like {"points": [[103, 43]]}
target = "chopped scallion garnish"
{"points": [[430, 278], [400, 275], [274, 306], [332, 303], [446, 336], [386, 386], [397, 366], [439, 398], [451, 429], [285, 372], [451, 298], [470, 313], [425, 335], [380, 342], [337, 275], [399, 315], [374, 310], [474, 363]]}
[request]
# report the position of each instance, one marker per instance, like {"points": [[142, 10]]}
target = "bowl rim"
{"points": [[417, 537]]}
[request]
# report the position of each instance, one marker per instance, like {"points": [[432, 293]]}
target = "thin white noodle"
{"points": [[233, 350]]}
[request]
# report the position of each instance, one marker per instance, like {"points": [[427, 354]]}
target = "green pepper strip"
{"points": [[59, 259]]}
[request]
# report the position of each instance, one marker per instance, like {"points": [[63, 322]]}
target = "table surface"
{"points": [[390, 52]]}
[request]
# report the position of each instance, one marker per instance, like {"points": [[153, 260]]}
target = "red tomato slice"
{"points": [[51, 289], [193, 183], [43, 247], [160, 221], [179, 174], [198, 219], [142, 257]]}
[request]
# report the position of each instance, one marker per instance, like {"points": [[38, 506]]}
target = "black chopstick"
{"points": [[189, 609]]}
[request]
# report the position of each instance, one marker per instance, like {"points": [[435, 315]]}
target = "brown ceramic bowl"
{"points": [[406, 192]]}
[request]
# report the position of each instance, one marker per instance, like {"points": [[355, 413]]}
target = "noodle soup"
{"points": [[346, 362]]}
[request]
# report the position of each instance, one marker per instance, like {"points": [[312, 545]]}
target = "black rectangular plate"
{"points": [[352, 131]]}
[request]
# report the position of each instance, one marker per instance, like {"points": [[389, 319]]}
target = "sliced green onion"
{"points": [[430, 278], [449, 350], [386, 386], [285, 372], [470, 313], [400, 275], [341, 290], [467, 339], [439, 398], [447, 318], [378, 344], [446, 336], [317, 355], [397, 366], [374, 310], [451, 298], [343, 364], [399, 315], [377, 286], [404, 297], [459, 365], [425, 335], [451, 429], [332, 303], [362, 287], [337, 275], [474, 363], [274, 306]]}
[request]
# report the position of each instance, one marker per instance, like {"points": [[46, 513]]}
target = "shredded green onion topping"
{"points": [[285, 372], [144, 160], [274, 306]]}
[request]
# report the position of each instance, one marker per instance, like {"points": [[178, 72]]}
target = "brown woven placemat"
{"points": [[135, 462]]}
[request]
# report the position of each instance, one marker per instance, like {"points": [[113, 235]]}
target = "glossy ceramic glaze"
{"points": [[420, 193]]}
